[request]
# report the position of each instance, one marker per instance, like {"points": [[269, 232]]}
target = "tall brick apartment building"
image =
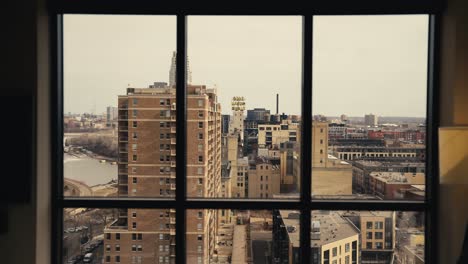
{"points": [[147, 168]]}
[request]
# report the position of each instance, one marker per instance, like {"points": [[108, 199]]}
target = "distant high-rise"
{"points": [[237, 119], [225, 120], [371, 120], [172, 71], [111, 115], [344, 118]]}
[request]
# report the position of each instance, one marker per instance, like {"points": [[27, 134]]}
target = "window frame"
{"points": [[429, 206]]}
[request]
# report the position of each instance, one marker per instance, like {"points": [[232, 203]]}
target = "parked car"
{"points": [[88, 249], [88, 258]]}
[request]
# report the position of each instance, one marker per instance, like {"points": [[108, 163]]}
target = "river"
{"points": [[87, 170]]}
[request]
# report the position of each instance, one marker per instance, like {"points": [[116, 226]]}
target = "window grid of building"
{"points": [[305, 204]]}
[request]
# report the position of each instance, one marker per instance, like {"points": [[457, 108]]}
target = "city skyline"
{"points": [[364, 68], [117, 69]]}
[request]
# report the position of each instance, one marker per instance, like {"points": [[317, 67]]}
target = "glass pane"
{"points": [[119, 110], [367, 237], [244, 98], [242, 236], [93, 235], [369, 107]]}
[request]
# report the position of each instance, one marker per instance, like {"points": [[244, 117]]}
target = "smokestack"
{"points": [[277, 103]]}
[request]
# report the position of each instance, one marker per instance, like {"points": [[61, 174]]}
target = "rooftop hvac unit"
{"points": [[315, 235], [315, 226]]}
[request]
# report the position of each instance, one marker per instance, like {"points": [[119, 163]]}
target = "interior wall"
{"points": [[17, 244], [453, 214], [25, 58]]}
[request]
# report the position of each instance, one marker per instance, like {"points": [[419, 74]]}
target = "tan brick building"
{"points": [[147, 167], [331, 176], [333, 238], [377, 230], [264, 179], [275, 134]]}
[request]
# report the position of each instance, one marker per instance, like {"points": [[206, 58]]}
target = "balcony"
{"points": [[173, 117], [173, 164], [172, 210], [123, 150], [173, 129], [123, 190], [172, 186], [120, 224], [173, 107], [172, 232], [123, 159], [123, 117], [123, 182], [173, 241], [173, 152], [123, 171], [173, 141], [172, 220], [123, 138], [123, 128]]}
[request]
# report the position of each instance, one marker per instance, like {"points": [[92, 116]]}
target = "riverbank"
{"points": [[81, 152], [106, 190], [76, 188]]}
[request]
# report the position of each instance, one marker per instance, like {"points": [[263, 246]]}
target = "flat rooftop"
{"points": [[329, 197], [333, 227], [373, 163], [239, 250], [367, 213], [400, 178]]}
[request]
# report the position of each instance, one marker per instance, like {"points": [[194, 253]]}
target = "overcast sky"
{"points": [[362, 64]]}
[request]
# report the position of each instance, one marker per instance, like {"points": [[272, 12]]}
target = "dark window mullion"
{"points": [[337, 7], [258, 204], [56, 40], [432, 123], [181, 139], [306, 146], [149, 203]]}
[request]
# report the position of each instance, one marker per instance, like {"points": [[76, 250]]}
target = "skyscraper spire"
{"points": [[172, 71]]}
